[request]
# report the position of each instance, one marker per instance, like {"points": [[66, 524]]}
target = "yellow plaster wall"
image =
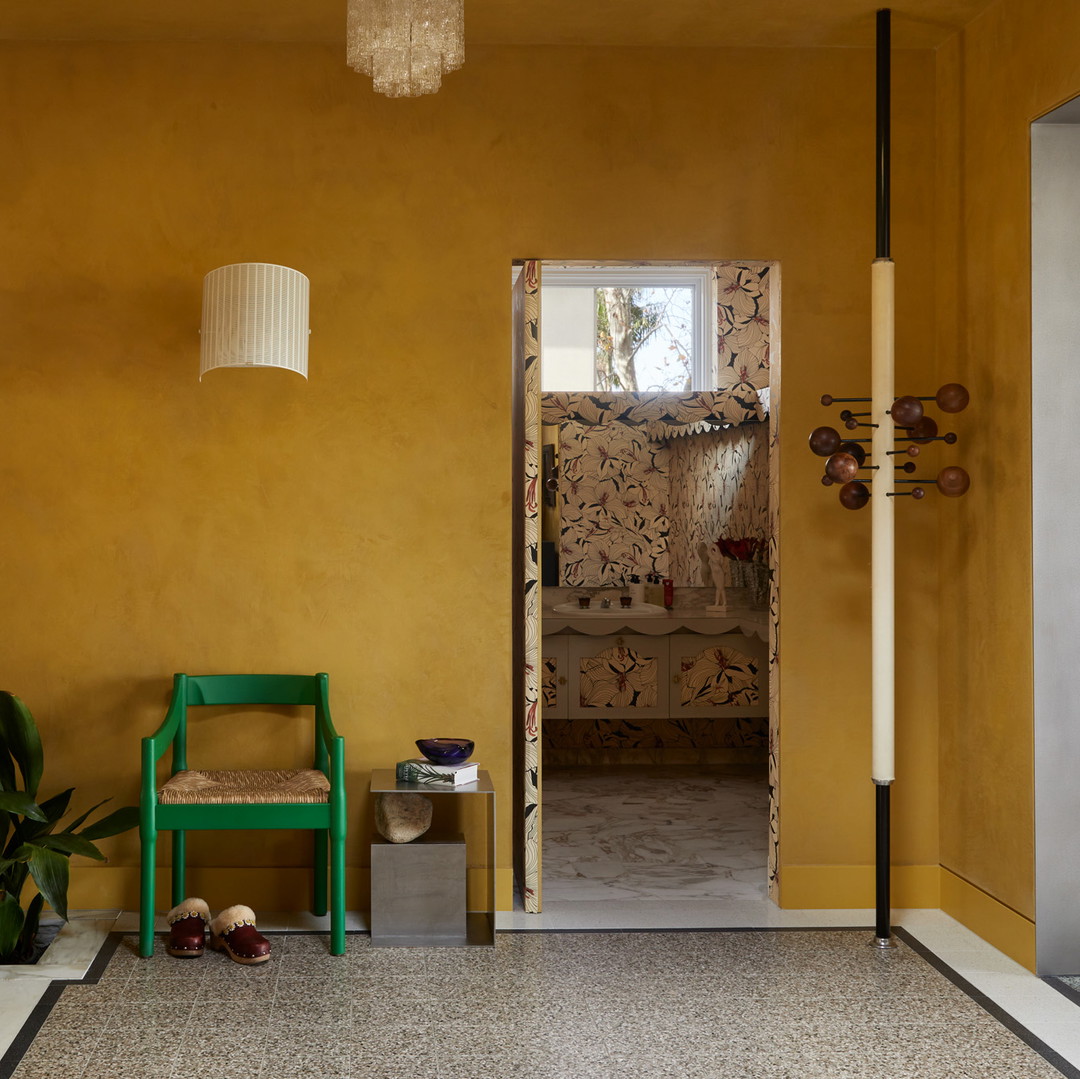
{"points": [[1017, 61], [360, 522]]}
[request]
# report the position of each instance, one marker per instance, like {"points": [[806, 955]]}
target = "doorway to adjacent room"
{"points": [[714, 383]]}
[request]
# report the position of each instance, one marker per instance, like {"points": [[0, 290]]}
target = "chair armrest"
{"points": [[325, 732], [157, 744]]}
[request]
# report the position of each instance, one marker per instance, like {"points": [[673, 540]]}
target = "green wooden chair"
{"points": [[310, 798]]}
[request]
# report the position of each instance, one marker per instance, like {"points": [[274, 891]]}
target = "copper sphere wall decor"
{"points": [[847, 463]]}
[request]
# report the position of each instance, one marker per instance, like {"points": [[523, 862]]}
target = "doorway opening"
{"points": [[659, 702], [1055, 397]]}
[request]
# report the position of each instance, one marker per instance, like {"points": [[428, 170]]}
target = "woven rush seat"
{"points": [[296, 787]]}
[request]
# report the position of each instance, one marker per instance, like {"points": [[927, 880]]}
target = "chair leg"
{"points": [[146, 893], [179, 867], [337, 895], [318, 880]]}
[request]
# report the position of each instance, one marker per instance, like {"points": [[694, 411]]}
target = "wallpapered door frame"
{"points": [[748, 322], [526, 606]]}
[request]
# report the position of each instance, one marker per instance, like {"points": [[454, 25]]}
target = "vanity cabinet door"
{"points": [[554, 681], [618, 677], [718, 675]]}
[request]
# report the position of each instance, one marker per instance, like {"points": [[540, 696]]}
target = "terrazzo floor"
{"points": [[719, 983], [655, 832], [802, 1004]]}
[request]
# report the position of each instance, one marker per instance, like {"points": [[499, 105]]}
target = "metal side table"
{"points": [[480, 923]]}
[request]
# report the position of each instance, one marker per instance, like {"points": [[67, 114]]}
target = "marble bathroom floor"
{"points": [[643, 832]]}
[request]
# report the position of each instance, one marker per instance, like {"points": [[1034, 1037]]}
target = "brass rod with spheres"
{"points": [[846, 458]]}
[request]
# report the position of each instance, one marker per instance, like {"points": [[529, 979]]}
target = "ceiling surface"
{"points": [[919, 24]]}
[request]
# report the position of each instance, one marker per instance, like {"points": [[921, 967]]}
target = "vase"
{"points": [[760, 583]]}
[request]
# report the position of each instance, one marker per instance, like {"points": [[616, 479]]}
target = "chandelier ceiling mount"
{"points": [[406, 46]]}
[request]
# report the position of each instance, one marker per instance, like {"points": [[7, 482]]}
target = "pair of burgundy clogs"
{"points": [[232, 932]]}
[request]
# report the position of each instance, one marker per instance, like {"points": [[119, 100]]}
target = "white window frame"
{"points": [[700, 279]]}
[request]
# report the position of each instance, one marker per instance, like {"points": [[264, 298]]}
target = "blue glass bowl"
{"points": [[446, 750]]}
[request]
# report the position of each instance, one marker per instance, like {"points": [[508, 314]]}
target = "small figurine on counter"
{"points": [[716, 568]]}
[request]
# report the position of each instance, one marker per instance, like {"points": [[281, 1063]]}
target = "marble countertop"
{"points": [[754, 622]]}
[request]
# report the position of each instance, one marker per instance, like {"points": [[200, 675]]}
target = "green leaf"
{"points": [[17, 858], [79, 819], [20, 735], [67, 843], [11, 923], [53, 808], [56, 806], [31, 923], [119, 821], [21, 804], [7, 767], [51, 872]]}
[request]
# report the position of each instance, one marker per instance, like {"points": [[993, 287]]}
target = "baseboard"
{"points": [[833, 887], [112, 887], [989, 918]]}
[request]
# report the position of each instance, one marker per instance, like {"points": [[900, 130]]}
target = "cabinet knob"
{"points": [[562, 681], [676, 679]]}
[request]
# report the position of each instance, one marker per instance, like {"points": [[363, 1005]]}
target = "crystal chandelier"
{"points": [[406, 45]]}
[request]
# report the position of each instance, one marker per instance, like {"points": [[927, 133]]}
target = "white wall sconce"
{"points": [[254, 314]]}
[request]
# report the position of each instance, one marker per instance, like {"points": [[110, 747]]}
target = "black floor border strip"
{"points": [[1063, 988], [1033, 1041]]}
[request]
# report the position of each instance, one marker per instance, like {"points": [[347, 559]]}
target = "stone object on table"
{"points": [[402, 817]]}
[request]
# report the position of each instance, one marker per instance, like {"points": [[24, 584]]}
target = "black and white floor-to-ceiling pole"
{"points": [[882, 534], [889, 419]]}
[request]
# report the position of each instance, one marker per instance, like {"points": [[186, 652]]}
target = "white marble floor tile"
{"points": [[71, 952], [640, 833], [18, 998]]}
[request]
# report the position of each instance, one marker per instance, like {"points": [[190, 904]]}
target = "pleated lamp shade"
{"points": [[254, 314]]}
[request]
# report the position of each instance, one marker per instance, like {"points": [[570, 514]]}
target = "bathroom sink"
{"points": [[615, 611]]}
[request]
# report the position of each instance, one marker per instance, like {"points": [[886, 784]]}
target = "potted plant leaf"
{"points": [[32, 843]]}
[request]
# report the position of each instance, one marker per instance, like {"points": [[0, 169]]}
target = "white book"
{"points": [[420, 770]]}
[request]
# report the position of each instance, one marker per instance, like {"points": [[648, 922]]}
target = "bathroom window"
{"points": [[627, 328]]}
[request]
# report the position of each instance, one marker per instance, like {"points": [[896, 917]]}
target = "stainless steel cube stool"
{"points": [[418, 892]]}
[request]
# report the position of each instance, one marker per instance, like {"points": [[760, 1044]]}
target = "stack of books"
{"points": [[419, 770]]}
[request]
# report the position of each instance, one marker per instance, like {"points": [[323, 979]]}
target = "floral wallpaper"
{"points": [[564, 737], [617, 678], [613, 491], [718, 486], [743, 319], [719, 676], [631, 505], [549, 682], [661, 414], [527, 316]]}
